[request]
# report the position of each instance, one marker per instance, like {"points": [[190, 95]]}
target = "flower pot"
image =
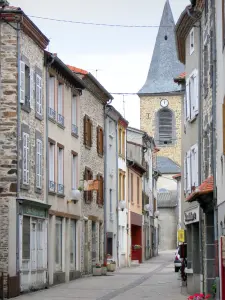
{"points": [[97, 271], [111, 267], [104, 270]]}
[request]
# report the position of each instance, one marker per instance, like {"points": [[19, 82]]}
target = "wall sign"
{"points": [[34, 211], [191, 216]]}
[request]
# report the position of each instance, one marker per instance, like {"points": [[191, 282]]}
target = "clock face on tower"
{"points": [[164, 103]]}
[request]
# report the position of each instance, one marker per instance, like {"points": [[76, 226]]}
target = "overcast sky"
{"points": [[121, 55]]}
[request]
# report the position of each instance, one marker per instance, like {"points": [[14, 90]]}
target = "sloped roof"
{"points": [[205, 188], [165, 165], [77, 70], [167, 199], [165, 65]]}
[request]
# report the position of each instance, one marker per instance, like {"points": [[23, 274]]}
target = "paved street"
{"points": [[154, 279]]}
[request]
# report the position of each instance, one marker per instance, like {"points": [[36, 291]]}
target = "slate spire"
{"points": [[165, 65]]}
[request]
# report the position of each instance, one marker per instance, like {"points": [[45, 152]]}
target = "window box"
{"points": [[52, 186], [51, 113]]}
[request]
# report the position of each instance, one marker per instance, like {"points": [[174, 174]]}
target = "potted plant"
{"points": [[97, 270], [199, 297], [111, 267], [104, 269], [137, 247]]}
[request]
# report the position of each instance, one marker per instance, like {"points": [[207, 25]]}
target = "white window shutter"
{"points": [[196, 89], [31, 88], [189, 171], [38, 94], [196, 164], [25, 158], [22, 82], [185, 174], [38, 163], [188, 104]]}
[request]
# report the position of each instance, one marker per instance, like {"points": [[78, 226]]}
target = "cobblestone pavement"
{"points": [[155, 279]]}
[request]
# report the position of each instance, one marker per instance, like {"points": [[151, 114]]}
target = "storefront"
{"points": [[191, 221], [33, 224]]}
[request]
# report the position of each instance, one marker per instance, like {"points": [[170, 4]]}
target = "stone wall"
{"points": [[149, 105], [94, 108]]}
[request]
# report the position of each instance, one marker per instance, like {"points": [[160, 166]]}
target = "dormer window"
{"points": [[192, 41]]}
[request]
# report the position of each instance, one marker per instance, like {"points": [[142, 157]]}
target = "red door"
{"points": [[136, 239]]}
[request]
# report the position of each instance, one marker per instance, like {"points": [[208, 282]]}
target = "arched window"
{"points": [[165, 127]]}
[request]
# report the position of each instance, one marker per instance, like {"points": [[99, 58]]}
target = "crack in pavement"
{"points": [[134, 283]]}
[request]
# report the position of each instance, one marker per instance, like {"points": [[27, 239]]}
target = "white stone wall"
{"points": [[168, 229]]}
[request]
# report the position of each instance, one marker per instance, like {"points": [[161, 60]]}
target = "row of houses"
{"points": [[200, 45], [60, 135]]}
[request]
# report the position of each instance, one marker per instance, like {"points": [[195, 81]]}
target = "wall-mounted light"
{"points": [[156, 214], [122, 205]]}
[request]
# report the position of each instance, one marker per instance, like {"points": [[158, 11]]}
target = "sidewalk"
{"points": [[154, 279]]}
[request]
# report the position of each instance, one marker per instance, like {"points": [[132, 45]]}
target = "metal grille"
{"points": [[165, 118]]}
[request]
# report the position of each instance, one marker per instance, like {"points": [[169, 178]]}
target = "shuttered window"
{"points": [[165, 126], [26, 238], [38, 163], [88, 195], [25, 158], [38, 94], [87, 131], [100, 149], [100, 194]]}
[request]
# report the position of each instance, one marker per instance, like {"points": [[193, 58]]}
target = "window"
{"points": [[192, 96], [51, 167], [72, 244], [87, 132], [93, 241], [26, 82], [100, 143], [58, 244], [165, 126], [74, 171], [192, 41], [74, 116], [60, 105], [191, 169], [100, 194], [38, 163], [132, 186], [60, 171], [51, 110], [25, 158], [121, 185], [120, 141], [88, 195], [26, 238], [38, 95], [123, 142], [138, 190]]}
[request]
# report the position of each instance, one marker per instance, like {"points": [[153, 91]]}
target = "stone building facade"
{"points": [[92, 116], [24, 210]]}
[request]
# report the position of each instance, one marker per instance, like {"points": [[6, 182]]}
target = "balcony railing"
{"points": [[51, 113], [60, 120], [60, 189], [74, 129], [51, 186]]}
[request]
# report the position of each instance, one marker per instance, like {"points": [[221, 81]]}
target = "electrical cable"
{"points": [[97, 24]]}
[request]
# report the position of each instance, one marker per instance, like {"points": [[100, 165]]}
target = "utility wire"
{"points": [[97, 24]]}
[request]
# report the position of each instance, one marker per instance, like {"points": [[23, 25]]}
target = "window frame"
{"points": [[192, 96], [88, 127], [100, 141], [52, 165], [60, 173], [39, 147], [51, 96], [38, 94], [26, 149], [138, 191], [58, 246], [100, 192], [74, 174], [88, 195], [73, 236], [161, 142]]}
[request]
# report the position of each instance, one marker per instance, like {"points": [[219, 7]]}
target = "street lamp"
{"points": [[75, 196], [122, 204]]}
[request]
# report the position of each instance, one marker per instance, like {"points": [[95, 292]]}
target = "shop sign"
{"points": [[191, 216], [34, 211], [181, 235]]}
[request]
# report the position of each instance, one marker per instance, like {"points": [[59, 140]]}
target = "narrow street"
{"points": [[154, 279]]}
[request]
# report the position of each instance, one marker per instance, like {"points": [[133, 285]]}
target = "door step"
{"points": [[135, 263]]}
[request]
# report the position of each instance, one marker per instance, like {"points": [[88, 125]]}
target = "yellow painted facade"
{"points": [[149, 106], [135, 191]]}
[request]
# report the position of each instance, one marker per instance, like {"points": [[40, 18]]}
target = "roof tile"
{"points": [[205, 188], [77, 70]]}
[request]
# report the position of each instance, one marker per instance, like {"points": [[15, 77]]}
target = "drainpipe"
{"points": [[214, 147], [117, 199], [18, 151], [202, 287], [105, 184]]}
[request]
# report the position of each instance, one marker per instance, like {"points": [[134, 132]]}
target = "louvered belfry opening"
{"points": [[165, 126]]}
